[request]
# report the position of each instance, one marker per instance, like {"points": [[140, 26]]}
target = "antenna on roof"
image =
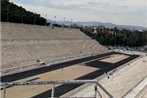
{"points": [[46, 19], [7, 14], [22, 16], [64, 22], [64, 19], [35, 18], [54, 19], [71, 22]]}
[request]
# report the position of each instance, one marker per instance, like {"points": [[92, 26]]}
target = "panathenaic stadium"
{"points": [[46, 62]]}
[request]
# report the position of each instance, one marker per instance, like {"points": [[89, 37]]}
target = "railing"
{"points": [[4, 85]]}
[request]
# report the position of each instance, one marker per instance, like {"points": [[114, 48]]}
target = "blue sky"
{"points": [[130, 12]]}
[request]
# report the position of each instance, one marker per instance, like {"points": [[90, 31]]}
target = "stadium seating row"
{"points": [[13, 31], [19, 52]]}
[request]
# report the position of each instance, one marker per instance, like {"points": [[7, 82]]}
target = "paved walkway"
{"points": [[137, 90], [143, 93]]}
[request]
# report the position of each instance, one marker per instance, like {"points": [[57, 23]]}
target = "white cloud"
{"points": [[116, 11]]}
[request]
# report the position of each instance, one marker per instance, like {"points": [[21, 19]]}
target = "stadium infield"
{"points": [[69, 70]]}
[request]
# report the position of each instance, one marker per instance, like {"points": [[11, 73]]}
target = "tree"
{"points": [[116, 37], [10, 12]]}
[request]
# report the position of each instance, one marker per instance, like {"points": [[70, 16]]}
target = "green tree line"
{"points": [[10, 12], [117, 37]]}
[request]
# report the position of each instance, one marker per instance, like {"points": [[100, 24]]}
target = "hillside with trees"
{"points": [[10, 12], [117, 37]]}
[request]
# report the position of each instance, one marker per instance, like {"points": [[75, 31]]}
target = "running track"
{"points": [[62, 89]]}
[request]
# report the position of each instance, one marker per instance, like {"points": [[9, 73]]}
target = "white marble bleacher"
{"points": [[25, 44]]}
